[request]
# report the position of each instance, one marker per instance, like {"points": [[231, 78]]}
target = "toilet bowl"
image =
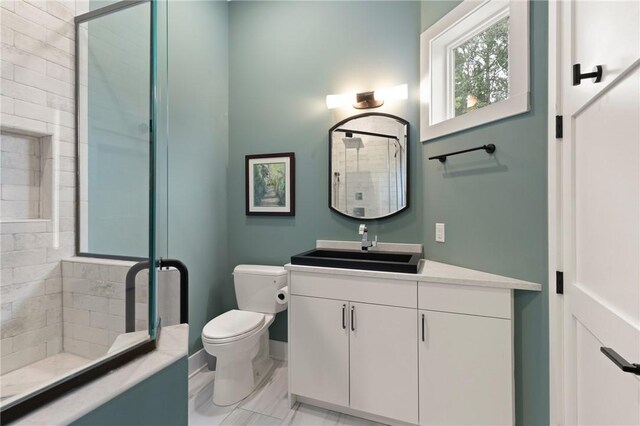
{"points": [[239, 338]]}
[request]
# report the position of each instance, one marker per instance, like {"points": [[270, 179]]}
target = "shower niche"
{"points": [[368, 166], [27, 176]]}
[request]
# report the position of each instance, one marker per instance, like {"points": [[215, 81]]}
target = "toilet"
{"points": [[239, 338]]}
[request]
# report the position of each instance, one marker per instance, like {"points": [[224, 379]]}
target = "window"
{"points": [[474, 67]]}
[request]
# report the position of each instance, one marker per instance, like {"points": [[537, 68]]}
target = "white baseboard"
{"points": [[278, 350], [197, 362]]}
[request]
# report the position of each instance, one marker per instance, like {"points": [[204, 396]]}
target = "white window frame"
{"points": [[436, 65]]}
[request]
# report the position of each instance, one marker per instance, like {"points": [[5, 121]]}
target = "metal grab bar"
{"points": [[130, 290]]}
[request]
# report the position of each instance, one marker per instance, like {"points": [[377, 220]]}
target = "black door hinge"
{"points": [[558, 127], [559, 282]]}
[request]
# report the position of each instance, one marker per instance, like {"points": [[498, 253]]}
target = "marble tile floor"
{"points": [[38, 373], [268, 405]]}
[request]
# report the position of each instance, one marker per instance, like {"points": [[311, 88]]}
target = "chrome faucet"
{"points": [[366, 244]]}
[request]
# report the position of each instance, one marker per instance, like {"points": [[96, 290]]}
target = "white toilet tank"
{"points": [[256, 287]]}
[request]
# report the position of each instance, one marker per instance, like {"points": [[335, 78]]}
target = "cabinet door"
{"points": [[319, 339], [384, 361], [466, 370]]}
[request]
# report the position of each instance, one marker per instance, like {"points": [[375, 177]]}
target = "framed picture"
{"points": [[270, 184]]}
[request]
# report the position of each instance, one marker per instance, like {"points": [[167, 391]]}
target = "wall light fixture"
{"points": [[366, 100]]}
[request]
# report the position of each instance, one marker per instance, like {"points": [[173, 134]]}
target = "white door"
{"points": [[466, 369], [319, 339], [601, 211], [384, 361]]}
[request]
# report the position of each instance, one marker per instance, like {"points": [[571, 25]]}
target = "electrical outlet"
{"points": [[440, 232]]}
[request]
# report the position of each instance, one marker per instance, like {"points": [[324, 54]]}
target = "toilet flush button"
{"points": [[440, 232]]}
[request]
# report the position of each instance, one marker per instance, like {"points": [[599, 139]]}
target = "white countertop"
{"points": [[430, 271], [172, 346]]}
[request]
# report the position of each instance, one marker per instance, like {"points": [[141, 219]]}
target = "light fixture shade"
{"points": [[337, 101]]}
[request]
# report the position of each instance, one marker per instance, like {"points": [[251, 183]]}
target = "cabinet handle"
{"points": [[423, 327], [344, 316], [620, 362], [353, 318]]}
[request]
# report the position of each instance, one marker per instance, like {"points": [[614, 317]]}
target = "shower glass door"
{"points": [[121, 196]]}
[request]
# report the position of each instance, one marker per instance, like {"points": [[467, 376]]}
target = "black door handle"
{"points": [[622, 363], [577, 76], [423, 327]]}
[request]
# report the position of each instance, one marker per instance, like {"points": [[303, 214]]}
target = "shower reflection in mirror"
{"points": [[368, 166]]}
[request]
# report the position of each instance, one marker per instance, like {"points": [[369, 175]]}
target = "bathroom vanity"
{"points": [[434, 347]]}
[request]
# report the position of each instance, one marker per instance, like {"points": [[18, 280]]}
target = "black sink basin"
{"points": [[350, 259]]}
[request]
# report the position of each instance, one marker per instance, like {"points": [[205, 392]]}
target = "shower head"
{"points": [[353, 143]]}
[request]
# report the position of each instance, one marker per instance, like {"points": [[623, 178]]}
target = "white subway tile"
{"points": [[61, 42], [91, 334], [53, 285], [5, 312], [36, 337], [7, 105], [59, 72], [36, 272], [99, 320], [60, 10], [8, 4], [54, 317], [33, 240], [6, 243], [20, 325], [20, 193], [12, 122], [90, 303], [21, 227], [6, 35], [54, 346], [41, 81], [22, 258], [23, 26], [59, 102], [7, 70], [6, 276], [6, 346], [76, 316], [23, 92], [20, 293], [19, 359]]}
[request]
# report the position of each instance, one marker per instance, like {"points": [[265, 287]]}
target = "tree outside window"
{"points": [[482, 69]]}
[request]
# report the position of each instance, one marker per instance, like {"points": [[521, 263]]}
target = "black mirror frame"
{"points": [[369, 114]]}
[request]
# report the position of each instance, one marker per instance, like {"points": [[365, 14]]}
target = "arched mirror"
{"points": [[368, 166]]}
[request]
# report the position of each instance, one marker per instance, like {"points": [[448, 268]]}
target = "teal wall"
{"points": [[495, 211], [198, 154], [159, 400], [285, 57]]}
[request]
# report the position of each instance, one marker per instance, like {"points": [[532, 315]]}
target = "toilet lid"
{"points": [[232, 323]]}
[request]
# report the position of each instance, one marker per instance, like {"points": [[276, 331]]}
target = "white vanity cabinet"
{"points": [[466, 355], [350, 353], [404, 349]]}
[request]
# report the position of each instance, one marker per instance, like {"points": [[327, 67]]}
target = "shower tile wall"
{"points": [[37, 91], [93, 301]]}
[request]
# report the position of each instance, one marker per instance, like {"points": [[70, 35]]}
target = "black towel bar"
{"points": [[490, 149]]}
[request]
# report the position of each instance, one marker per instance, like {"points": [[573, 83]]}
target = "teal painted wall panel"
{"points": [[198, 154], [285, 57], [495, 211], [160, 400]]}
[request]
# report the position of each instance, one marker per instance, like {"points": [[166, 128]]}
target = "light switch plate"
{"points": [[440, 232]]}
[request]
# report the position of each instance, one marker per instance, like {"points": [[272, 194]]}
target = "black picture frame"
{"points": [[289, 207]]}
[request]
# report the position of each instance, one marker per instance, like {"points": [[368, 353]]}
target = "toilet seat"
{"points": [[231, 326]]}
